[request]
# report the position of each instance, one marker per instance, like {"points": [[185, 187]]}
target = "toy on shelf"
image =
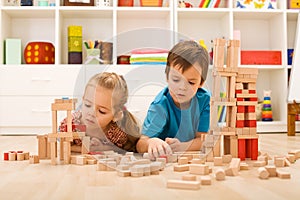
{"points": [[267, 108], [256, 4], [39, 53], [75, 45], [183, 4], [294, 4]]}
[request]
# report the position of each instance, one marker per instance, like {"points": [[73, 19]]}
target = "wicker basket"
{"points": [[128, 3], [151, 3]]}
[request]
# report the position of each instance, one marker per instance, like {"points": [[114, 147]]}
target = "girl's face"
{"points": [[97, 110], [184, 85]]}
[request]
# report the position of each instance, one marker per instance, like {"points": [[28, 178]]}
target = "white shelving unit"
{"points": [[26, 91]]}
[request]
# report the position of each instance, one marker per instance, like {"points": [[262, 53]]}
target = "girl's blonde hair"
{"points": [[118, 85]]}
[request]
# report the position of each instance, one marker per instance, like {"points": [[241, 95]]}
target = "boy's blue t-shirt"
{"points": [[164, 119]]}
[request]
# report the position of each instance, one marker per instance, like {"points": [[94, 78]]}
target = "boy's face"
{"points": [[184, 85], [97, 111]]}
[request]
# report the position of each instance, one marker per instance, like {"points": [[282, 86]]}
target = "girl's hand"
{"points": [[174, 143], [158, 147]]}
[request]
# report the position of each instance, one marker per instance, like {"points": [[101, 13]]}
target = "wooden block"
{"points": [[197, 161], [189, 177], [172, 158], [12, 156], [81, 160], [296, 153], [259, 163], [137, 174], [20, 156], [156, 166], [34, 159], [218, 161], [199, 169], [234, 167], [205, 180], [226, 158], [180, 184], [67, 152], [181, 168], [279, 161], [123, 173], [263, 158], [182, 160], [101, 166], [291, 158], [283, 174], [91, 161], [42, 146], [73, 159], [244, 166], [111, 165], [271, 170], [263, 173], [26, 155], [220, 174]]}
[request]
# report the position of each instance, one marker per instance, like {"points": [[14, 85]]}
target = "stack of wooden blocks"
{"points": [[74, 45], [239, 132], [65, 137]]}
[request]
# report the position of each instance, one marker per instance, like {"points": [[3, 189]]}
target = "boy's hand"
{"points": [[174, 143], [158, 147]]}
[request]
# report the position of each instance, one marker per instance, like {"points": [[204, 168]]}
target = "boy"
{"points": [[180, 113]]}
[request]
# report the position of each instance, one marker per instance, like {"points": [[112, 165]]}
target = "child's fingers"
{"points": [[167, 148], [169, 140]]}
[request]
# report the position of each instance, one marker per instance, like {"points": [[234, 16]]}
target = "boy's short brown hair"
{"points": [[185, 54]]}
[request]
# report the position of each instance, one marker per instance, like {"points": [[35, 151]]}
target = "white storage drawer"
{"points": [[41, 80], [27, 111]]}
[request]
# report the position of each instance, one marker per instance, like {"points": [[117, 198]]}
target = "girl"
{"points": [[109, 124]]}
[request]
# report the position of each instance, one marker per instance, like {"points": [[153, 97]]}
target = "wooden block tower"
{"points": [[229, 73], [65, 137], [246, 117], [238, 133]]}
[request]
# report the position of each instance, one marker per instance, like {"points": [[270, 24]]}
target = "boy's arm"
{"points": [[192, 145]]}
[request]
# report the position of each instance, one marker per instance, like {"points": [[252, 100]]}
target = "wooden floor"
{"points": [[21, 180]]}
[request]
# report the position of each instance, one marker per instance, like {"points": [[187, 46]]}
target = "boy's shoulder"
{"points": [[202, 92], [161, 96]]}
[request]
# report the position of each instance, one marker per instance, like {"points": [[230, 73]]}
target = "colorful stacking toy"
{"points": [[267, 108]]}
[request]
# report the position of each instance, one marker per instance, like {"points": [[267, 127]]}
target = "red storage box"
{"points": [[151, 3], [261, 57]]}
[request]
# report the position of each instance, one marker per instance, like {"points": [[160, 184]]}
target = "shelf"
{"points": [[29, 11], [247, 14], [137, 27]]}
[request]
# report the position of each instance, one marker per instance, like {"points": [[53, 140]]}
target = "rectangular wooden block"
{"points": [[74, 57], [180, 184], [13, 51], [75, 31]]}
